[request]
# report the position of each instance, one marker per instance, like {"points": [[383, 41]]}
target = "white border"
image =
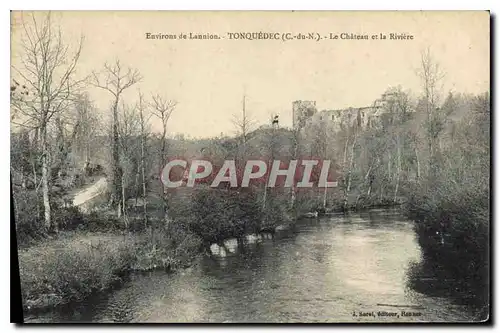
{"points": [[187, 5]]}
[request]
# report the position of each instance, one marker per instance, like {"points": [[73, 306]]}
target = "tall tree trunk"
{"points": [[264, 197], [136, 184], [292, 197], [389, 166], [347, 186], [272, 149], [143, 171], [23, 178], [45, 179], [398, 169], [87, 153], [429, 133], [35, 180], [117, 175], [14, 201], [121, 205], [32, 155], [368, 179], [357, 200], [345, 153], [324, 198], [292, 189], [163, 162], [344, 171], [418, 163]]}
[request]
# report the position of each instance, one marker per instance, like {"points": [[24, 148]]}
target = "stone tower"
{"points": [[302, 110]]}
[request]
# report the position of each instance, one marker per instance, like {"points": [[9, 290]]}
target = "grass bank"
{"points": [[77, 264], [59, 271]]}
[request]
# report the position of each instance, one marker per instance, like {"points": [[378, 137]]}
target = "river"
{"points": [[338, 268]]}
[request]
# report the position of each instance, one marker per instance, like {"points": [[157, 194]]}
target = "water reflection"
{"points": [[322, 270]]}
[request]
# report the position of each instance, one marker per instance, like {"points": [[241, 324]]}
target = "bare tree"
{"points": [[128, 130], [271, 145], [48, 71], [402, 108], [430, 75], [88, 126], [398, 107], [319, 148], [144, 137], [115, 79], [79, 124], [295, 151], [243, 123], [162, 108], [349, 168]]}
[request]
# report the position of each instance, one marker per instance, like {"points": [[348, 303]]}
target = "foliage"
{"points": [[71, 269], [451, 206], [218, 214]]}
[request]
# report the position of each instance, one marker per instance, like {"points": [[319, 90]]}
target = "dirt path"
{"points": [[90, 192]]}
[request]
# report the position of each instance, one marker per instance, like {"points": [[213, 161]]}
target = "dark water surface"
{"points": [[331, 269]]}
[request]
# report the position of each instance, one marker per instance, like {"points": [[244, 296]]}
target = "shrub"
{"points": [[101, 222], [214, 215], [277, 213], [52, 275], [168, 247], [29, 226], [68, 218], [451, 211]]}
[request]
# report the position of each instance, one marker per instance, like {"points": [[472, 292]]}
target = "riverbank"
{"points": [[57, 271], [264, 282], [452, 224], [337, 207], [75, 265]]}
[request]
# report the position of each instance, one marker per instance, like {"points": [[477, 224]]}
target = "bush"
{"points": [[51, 275], [214, 215], [69, 218], [101, 222], [452, 222], [29, 226], [276, 213], [169, 247]]}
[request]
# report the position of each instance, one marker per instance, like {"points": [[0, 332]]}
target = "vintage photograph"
{"points": [[251, 166]]}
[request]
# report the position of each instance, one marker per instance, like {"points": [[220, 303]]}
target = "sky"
{"points": [[208, 78]]}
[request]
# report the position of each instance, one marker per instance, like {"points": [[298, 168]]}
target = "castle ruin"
{"points": [[305, 114]]}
